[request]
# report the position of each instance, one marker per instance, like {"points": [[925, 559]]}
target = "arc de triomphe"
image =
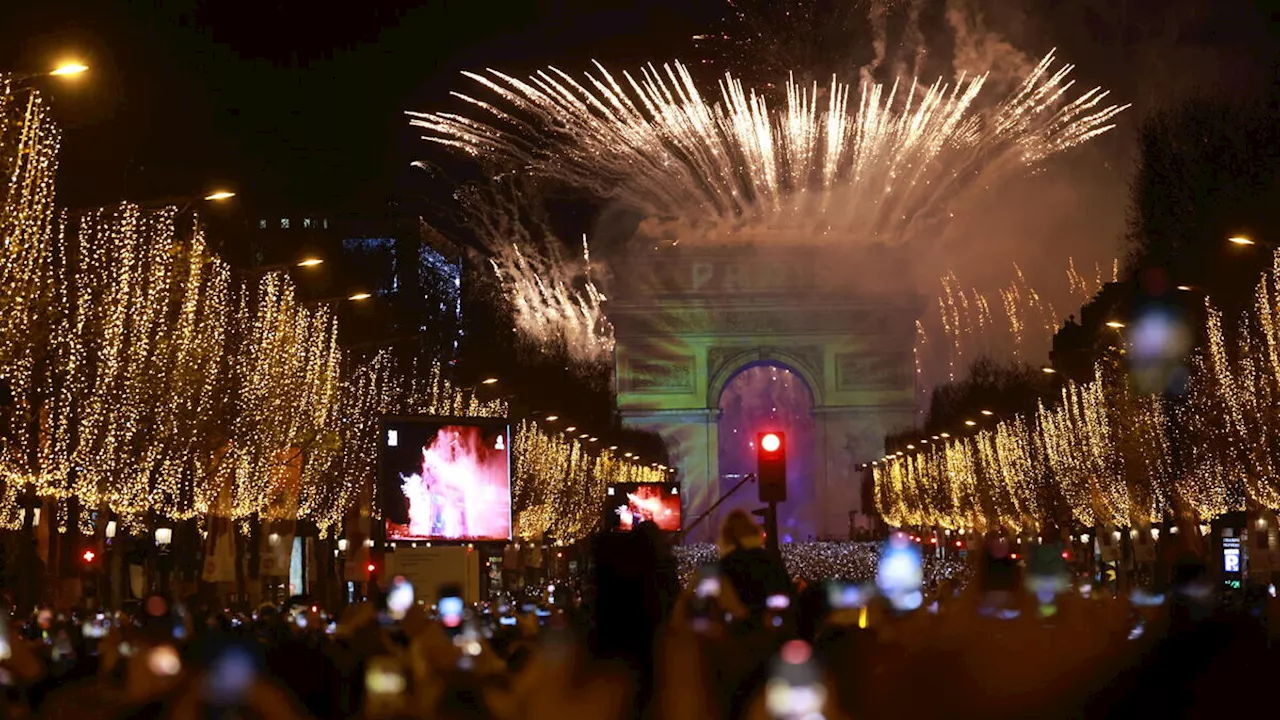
{"points": [[687, 322]]}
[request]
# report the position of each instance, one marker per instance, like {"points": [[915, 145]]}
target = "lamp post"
{"points": [[339, 573], [32, 576], [164, 537], [110, 567], [64, 70], [186, 202]]}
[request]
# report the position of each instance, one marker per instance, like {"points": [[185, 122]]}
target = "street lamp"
{"points": [[219, 195], [360, 296], [489, 381], [342, 545], [1048, 370], [71, 68], [164, 536], [310, 262], [68, 69], [1241, 240]]}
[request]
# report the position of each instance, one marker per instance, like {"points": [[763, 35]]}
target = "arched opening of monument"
{"points": [[761, 398]]}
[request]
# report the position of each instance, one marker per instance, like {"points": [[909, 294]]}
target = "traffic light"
{"points": [[88, 556], [771, 466]]}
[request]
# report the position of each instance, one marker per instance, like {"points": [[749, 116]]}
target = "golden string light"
{"points": [[150, 380], [29, 142], [1102, 453], [558, 482]]}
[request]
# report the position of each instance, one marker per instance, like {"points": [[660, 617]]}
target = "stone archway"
{"points": [[724, 364], [688, 322], [761, 397]]}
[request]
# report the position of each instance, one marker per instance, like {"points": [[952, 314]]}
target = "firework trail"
{"points": [[835, 164], [971, 330], [557, 306], [873, 166]]}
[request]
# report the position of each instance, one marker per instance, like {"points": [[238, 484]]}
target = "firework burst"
{"points": [[874, 164], [1016, 321], [556, 304]]}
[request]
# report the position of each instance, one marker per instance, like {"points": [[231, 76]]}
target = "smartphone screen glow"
{"points": [[451, 611]]}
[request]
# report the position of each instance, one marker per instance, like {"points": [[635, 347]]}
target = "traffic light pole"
{"points": [[771, 530], [680, 536]]}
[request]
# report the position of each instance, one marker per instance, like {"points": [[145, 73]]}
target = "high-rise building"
{"points": [[389, 277]]}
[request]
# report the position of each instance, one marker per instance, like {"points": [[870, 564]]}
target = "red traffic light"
{"points": [[371, 567], [88, 556], [770, 442], [771, 466]]}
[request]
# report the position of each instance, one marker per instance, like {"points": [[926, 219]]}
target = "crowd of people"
{"points": [[1021, 638]]}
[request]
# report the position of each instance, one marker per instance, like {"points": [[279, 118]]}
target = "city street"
{"points": [[639, 359]]}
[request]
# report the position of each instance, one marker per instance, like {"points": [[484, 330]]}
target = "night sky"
{"points": [[300, 103], [290, 102]]}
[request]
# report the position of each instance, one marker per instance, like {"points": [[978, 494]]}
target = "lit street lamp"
{"points": [[355, 297], [1245, 240], [69, 69], [164, 563], [72, 68], [185, 202]]}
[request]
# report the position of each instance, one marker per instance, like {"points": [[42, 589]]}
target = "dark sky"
{"points": [[289, 101], [300, 103]]}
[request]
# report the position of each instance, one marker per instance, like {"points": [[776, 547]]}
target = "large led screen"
{"points": [[631, 504], [445, 479]]}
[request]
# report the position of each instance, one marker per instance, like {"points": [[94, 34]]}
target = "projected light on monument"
{"points": [[761, 398]]}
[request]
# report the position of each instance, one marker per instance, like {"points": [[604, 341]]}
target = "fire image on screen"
{"points": [[631, 505], [446, 481]]}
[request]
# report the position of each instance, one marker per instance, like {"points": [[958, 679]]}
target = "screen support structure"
{"points": [[749, 477]]}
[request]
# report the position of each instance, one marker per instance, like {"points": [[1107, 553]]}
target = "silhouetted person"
{"points": [[663, 589], [628, 606], [754, 573]]}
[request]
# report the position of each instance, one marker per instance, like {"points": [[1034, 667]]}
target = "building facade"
{"points": [[703, 336]]}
